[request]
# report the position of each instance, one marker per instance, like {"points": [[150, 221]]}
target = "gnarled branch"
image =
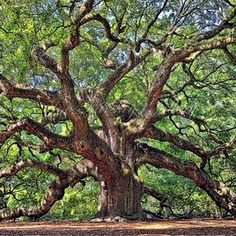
{"points": [[216, 190], [50, 139], [12, 90], [12, 170], [54, 192]]}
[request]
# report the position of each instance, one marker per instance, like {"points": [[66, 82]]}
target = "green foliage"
{"points": [[79, 203], [183, 197]]}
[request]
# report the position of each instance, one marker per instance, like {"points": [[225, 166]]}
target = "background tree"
{"points": [[117, 91]]}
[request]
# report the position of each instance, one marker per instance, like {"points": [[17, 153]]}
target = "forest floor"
{"points": [[160, 227]]}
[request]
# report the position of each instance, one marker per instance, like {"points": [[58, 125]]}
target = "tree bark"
{"points": [[102, 200], [121, 198]]}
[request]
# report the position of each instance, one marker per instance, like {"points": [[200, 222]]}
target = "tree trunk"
{"points": [[102, 200], [121, 197]]}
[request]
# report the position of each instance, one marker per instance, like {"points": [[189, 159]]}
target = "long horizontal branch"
{"points": [[215, 43], [54, 192], [125, 110], [50, 139], [127, 113], [12, 90], [165, 136], [155, 133], [12, 170], [184, 114], [216, 190]]}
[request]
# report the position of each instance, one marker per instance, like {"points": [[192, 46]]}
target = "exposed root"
{"points": [[110, 219]]}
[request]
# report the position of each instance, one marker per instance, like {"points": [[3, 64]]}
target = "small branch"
{"points": [[106, 25], [82, 11], [225, 24], [30, 163], [152, 22], [159, 196], [84, 169], [230, 3], [54, 119], [184, 114], [41, 148], [230, 55], [47, 61], [121, 71], [223, 148]]}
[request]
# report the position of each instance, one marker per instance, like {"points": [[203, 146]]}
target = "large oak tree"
{"points": [[108, 82]]}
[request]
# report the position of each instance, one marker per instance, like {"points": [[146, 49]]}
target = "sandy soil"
{"points": [[161, 227]]}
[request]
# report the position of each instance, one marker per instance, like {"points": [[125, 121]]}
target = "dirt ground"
{"points": [[160, 227]]}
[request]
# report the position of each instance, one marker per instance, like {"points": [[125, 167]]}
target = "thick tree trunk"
{"points": [[121, 197]]}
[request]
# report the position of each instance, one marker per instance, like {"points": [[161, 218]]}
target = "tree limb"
{"points": [[216, 190], [121, 71], [105, 23], [230, 55], [11, 90], [225, 24], [159, 196], [54, 192], [12, 170], [163, 73], [50, 139], [104, 113], [46, 60]]}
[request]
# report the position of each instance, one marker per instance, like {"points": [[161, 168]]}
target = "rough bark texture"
{"points": [[124, 197]]}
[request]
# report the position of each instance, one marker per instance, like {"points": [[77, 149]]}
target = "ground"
{"points": [[160, 227]]}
